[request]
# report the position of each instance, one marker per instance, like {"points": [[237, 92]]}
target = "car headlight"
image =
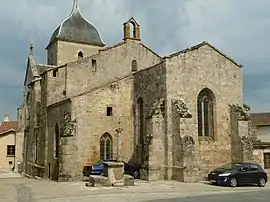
{"points": [[224, 174]]}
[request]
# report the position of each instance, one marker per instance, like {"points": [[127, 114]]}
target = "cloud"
{"points": [[238, 28]]}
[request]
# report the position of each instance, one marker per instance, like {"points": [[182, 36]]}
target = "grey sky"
{"points": [[239, 28]]}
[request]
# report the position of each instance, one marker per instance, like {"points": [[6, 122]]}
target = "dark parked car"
{"points": [[233, 174], [97, 169]]}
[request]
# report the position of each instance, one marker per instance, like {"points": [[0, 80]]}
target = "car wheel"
{"points": [[233, 182], [136, 174], [262, 182]]}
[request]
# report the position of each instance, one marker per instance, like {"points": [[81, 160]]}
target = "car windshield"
{"points": [[231, 166]]}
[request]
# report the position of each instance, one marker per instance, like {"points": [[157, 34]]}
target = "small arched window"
{"points": [[106, 146], [205, 113], [134, 66], [80, 55]]}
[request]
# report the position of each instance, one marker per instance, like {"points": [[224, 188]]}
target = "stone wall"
{"points": [[31, 125], [61, 124], [243, 134], [258, 155], [111, 64], [149, 85], [184, 162], [68, 52], [55, 85], [52, 54], [43, 143], [90, 110], [188, 72]]}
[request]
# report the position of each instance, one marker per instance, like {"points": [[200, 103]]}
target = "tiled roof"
{"points": [[261, 119], [8, 126]]}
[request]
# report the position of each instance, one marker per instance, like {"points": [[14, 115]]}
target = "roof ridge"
{"points": [[197, 47]]}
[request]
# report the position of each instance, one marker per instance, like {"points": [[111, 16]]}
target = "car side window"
{"points": [[244, 168], [254, 167]]}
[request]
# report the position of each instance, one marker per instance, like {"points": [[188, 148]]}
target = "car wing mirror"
{"points": [[242, 170]]}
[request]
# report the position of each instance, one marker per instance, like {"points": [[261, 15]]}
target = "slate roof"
{"points": [[77, 29], [261, 119], [8, 126]]}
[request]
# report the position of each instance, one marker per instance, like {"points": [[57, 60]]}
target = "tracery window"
{"points": [[105, 147], [205, 113]]}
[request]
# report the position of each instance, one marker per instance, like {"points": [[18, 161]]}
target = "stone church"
{"points": [[176, 116]]}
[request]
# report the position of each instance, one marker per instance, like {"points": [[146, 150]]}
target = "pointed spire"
{"points": [[75, 3], [75, 7], [31, 49]]}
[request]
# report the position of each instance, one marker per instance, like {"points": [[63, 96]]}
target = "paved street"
{"points": [[14, 188], [258, 196]]}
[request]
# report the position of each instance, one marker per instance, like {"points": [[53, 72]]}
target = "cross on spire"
{"points": [[75, 3], [31, 49]]}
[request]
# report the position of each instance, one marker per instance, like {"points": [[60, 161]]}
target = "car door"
{"points": [[244, 174], [254, 174]]}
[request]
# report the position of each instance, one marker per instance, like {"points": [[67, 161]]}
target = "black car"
{"points": [[132, 169], [97, 169], [233, 174]]}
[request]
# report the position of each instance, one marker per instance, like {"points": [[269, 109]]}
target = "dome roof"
{"points": [[77, 29]]}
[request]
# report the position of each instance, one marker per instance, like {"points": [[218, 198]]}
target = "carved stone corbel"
{"points": [[69, 126], [242, 112], [158, 108], [181, 108]]}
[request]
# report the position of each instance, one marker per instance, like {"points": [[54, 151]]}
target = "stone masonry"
{"points": [[75, 105]]}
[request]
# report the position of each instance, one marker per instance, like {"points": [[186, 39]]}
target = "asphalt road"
{"points": [[258, 196]]}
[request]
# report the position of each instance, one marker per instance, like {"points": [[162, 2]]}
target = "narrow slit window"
{"points": [[94, 65], [55, 73], [134, 66]]}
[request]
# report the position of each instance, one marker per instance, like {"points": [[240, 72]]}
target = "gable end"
{"points": [[199, 46]]}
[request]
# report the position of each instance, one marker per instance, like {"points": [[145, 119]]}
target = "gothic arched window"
{"points": [[205, 113], [106, 146]]}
